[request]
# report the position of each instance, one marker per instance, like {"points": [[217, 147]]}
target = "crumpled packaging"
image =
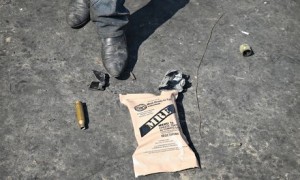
{"points": [[173, 80], [162, 146]]}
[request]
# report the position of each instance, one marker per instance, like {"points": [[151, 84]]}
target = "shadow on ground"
{"points": [[181, 114], [144, 22], [86, 115]]}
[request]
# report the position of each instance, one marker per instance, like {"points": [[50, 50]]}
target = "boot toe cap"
{"points": [[116, 64], [114, 55], [78, 13]]}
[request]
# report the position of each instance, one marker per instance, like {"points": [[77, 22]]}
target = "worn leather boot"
{"points": [[78, 13], [114, 54]]}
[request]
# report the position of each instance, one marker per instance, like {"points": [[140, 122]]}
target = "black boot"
{"points": [[114, 54], [78, 13]]}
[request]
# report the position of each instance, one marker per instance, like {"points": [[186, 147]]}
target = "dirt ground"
{"points": [[241, 114]]}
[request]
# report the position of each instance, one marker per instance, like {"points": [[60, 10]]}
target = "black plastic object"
{"points": [[175, 80], [102, 83]]}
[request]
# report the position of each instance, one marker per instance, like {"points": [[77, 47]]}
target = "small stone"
{"points": [[236, 144], [8, 40], [245, 32]]}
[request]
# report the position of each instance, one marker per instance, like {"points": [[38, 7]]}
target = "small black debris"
{"points": [[102, 83]]}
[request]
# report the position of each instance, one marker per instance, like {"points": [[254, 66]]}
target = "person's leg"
{"points": [[111, 18]]}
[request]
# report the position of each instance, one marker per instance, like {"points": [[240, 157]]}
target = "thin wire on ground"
{"points": [[199, 65]]}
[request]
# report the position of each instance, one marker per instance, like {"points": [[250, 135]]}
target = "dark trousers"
{"points": [[110, 17]]}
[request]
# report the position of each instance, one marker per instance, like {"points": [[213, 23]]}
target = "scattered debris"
{"points": [[132, 76], [174, 80], [246, 50], [236, 144], [99, 75], [244, 32], [95, 85], [80, 115], [8, 39], [102, 83]]}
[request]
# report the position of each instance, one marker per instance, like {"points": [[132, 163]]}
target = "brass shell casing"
{"points": [[80, 115], [246, 50]]}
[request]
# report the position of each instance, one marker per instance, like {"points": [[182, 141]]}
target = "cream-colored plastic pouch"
{"points": [[162, 147]]}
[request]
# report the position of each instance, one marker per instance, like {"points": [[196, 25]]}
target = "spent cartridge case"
{"points": [[246, 50], [80, 114]]}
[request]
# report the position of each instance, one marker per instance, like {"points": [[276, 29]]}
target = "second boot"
{"points": [[111, 18], [78, 13]]}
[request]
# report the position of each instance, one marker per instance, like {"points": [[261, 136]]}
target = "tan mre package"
{"points": [[162, 147]]}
